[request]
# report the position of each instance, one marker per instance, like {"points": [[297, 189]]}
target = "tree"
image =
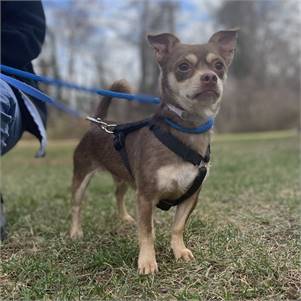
{"points": [[268, 33], [153, 18], [266, 69]]}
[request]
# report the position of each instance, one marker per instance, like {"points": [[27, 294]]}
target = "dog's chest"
{"points": [[176, 178]]}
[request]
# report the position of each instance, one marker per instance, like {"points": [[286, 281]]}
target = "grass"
{"points": [[244, 232]]}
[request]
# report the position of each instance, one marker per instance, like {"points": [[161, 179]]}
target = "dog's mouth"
{"points": [[207, 94]]}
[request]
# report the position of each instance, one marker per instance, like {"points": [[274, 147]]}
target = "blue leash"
{"points": [[61, 83], [27, 89]]}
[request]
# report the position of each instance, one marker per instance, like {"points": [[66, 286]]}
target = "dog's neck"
{"points": [[199, 142], [181, 117], [183, 114]]}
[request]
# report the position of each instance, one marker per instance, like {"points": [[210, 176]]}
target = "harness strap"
{"points": [[120, 132], [166, 204], [187, 154], [132, 126], [119, 144], [178, 147]]}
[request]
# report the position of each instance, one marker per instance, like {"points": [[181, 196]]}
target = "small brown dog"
{"points": [[192, 78]]}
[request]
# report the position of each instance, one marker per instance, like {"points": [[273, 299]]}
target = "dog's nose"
{"points": [[209, 78]]}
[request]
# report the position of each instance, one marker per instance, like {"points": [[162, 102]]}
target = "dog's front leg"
{"points": [[177, 243], [147, 263]]}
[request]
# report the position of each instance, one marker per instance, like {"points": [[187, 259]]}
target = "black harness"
{"points": [[174, 144]]}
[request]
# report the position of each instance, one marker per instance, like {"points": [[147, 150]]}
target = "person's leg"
{"points": [[10, 132], [10, 119]]}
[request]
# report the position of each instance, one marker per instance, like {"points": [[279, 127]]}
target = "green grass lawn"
{"points": [[244, 232]]}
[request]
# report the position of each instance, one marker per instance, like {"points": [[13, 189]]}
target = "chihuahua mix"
{"points": [[192, 78]]}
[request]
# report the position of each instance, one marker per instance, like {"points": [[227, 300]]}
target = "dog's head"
{"points": [[192, 76]]}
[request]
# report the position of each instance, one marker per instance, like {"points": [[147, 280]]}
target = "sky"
{"points": [[112, 18]]}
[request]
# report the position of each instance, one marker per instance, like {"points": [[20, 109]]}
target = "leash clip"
{"points": [[107, 127]]}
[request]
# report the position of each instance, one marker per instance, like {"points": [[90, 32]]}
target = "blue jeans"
{"points": [[11, 126], [10, 119]]}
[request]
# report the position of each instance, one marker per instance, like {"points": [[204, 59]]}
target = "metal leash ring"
{"points": [[107, 127]]}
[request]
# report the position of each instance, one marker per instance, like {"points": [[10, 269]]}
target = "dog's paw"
{"points": [[76, 233], [185, 254], [128, 219], [147, 266]]}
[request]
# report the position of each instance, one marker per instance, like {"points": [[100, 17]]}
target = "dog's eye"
{"points": [[219, 66], [184, 67]]}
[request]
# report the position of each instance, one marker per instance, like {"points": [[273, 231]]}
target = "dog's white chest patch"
{"points": [[176, 177]]}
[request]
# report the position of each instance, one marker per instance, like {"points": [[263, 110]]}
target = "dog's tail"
{"points": [[103, 107]]}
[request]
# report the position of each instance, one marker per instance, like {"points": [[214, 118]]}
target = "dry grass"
{"points": [[244, 232]]}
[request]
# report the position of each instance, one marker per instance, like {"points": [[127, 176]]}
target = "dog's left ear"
{"points": [[163, 44], [225, 40]]}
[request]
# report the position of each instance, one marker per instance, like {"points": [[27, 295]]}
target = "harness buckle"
{"points": [[107, 127]]}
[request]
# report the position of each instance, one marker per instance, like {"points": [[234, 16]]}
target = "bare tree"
{"points": [[74, 25], [153, 19], [267, 66], [48, 64]]}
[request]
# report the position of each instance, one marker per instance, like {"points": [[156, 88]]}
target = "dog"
{"points": [[191, 81]]}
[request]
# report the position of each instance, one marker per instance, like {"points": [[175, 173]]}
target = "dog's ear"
{"points": [[225, 40], [163, 44]]}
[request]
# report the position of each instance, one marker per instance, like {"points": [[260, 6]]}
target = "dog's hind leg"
{"points": [[81, 179], [121, 188], [177, 243]]}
